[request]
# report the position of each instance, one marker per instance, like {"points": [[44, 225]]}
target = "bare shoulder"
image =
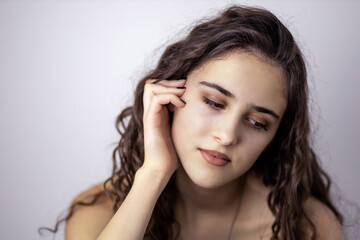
{"points": [[87, 222], [326, 224]]}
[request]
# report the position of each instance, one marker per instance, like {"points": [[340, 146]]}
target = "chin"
{"points": [[208, 178]]}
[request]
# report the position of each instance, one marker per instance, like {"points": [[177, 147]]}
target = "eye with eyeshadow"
{"points": [[257, 125], [252, 123], [212, 104]]}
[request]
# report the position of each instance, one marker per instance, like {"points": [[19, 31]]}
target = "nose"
{"points": [[227, 131]]}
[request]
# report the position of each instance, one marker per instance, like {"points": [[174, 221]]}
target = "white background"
{"points": [[67, 68]]}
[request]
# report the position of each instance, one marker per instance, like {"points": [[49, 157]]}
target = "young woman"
{"points": [[216, 144]]}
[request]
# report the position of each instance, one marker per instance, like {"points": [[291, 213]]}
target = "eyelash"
{"points": [[214, 105], [217, 106], [258, 126]]}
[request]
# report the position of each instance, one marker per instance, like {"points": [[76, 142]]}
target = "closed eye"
{"points": [[253, 124], [257, 125], [213, 105]]}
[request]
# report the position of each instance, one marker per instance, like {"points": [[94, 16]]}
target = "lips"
{"points": [[214, 157]]}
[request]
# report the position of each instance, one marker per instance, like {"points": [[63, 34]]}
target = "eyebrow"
{"points": [[229, 94], [265, 110], [217, 87]]}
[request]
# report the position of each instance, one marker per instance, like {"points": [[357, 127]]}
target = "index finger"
{"points": [[170, 83]]}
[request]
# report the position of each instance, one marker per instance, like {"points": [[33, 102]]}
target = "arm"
{"points": [[132, 218]]}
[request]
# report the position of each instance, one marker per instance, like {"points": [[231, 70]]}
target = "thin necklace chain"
{"points": [[236, 213]]}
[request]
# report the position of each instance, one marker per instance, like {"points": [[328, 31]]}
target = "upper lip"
{"points": [[216, 154]]}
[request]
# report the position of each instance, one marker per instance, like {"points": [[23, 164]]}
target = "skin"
{"points": [[209, 195], [228, 125], [230, 128]]}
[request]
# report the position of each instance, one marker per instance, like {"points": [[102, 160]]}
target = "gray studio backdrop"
{"points": [[68, 67]]}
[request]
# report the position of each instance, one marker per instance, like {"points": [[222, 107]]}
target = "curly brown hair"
{"points": [[289, 164]]}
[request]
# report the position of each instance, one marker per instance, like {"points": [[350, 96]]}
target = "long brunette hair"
{"points": [[289, 164]]}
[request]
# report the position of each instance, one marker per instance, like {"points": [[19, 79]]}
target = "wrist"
{"points": [[153, 177]]}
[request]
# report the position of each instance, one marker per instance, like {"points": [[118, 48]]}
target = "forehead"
{"points": [[248, 77]]}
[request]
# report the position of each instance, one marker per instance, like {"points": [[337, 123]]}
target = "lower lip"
{"points": [[213, 160]]}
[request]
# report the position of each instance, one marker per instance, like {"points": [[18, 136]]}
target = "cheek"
{"points": [[203, 120], [254, 150], [255, 145], [191, 123]]}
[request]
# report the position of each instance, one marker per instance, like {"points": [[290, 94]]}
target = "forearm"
{"points": [[131, 219]]}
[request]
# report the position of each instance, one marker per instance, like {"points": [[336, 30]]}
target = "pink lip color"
{"points": [[215, 158]]}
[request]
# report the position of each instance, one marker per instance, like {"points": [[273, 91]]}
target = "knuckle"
{"points": [[147, 86], [149, 81]]}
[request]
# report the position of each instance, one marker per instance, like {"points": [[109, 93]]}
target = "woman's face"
{"points": [[233, 106]]}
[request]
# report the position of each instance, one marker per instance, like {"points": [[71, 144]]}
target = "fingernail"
{"points": [[181, 87], [182, 100]]}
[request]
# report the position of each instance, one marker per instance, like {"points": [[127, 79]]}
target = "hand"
{"points": [[160, 97]]}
